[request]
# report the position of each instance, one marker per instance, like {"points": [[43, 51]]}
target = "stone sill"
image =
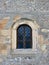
{"points": [[24, 51]]}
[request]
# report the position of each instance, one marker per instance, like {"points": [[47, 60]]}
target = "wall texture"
{"points": [[37, 10], [33, 9]]}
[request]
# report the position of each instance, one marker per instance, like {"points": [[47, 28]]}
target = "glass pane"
{"points": [[20, 37], [27, 33], [20, 33], [24, 36], [28, 44], [20, 44]]}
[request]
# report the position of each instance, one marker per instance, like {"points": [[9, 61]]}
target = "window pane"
{"points": [[24, 37], [20, 33], [28, 33], [20, 37], [28, 44], [20, 44]]}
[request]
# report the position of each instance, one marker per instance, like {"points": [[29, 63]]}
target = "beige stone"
{"points": [[4, 49], [5, 36], [41, 39], [3, 22], [5, 32], [16, 18], [1, 60]]}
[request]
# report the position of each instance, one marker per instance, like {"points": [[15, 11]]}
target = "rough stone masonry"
{"points": [[37, 10]]}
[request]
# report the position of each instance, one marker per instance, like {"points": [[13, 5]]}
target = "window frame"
{"points": [[14, 36]]}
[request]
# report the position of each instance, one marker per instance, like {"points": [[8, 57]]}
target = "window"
{"points": [[24, 37]]}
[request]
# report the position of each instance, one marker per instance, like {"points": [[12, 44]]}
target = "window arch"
{"points": [[34, 34], [24, 36]]}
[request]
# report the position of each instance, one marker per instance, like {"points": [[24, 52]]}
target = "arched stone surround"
{"points": [[34, 33]]}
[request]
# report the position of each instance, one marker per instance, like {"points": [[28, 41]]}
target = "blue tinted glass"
{"points": [[27, 33], [27, 38], [20, 37], [28, 44], [24, 33], [20, 33], [20, 44], [20, 30]]}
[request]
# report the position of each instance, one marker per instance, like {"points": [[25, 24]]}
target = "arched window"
{"points": [[24, 37]]}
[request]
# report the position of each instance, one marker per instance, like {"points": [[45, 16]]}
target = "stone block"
{"points": [[1, 60]]}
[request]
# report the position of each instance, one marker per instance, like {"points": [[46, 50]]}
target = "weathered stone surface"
{"points": [[42, 5], [5, 41], [35, 59], [32, 9]]}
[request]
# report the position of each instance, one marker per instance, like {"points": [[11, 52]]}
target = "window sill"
{"points": [[24, 51]]}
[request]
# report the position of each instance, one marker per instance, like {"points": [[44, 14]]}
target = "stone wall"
{"points": [[31, 9], [5, 41]]}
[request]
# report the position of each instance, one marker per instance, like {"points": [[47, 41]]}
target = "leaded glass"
{"points": [[24, 36]]}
